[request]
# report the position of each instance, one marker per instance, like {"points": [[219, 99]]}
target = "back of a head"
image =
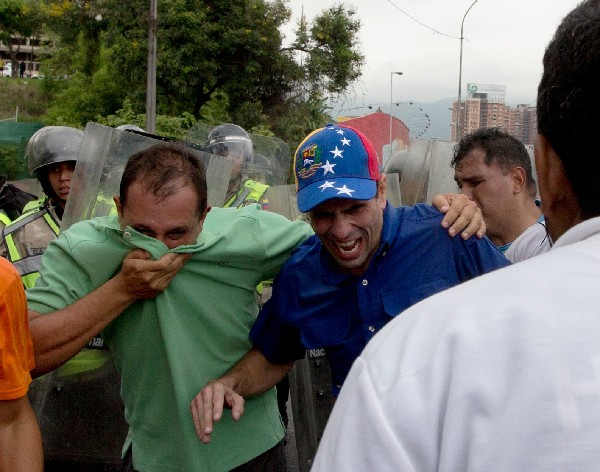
{"points": [[569, 100], [51, 145], [500, 148], [163, 169]]}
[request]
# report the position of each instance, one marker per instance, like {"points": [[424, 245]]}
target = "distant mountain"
{"points": [[440, 116]]}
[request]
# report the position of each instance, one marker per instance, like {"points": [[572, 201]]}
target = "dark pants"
{"points": [[271, 461]]}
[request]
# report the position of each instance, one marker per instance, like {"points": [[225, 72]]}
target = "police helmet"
{"points": [[52, 144], [130, 127], [229, 140]]}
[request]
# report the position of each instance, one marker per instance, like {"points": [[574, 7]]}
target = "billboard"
{"points": [[486, 88]]}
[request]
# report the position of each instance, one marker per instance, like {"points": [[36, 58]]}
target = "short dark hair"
{"points": [[568, 105], [500, 148], [161, 168]]}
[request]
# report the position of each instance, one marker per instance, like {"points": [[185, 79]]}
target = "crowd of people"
{"points": [[442, 356]]}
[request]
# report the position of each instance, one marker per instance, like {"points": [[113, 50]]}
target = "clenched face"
{"points": [[350, 229], [174, 221], [488, 186]]}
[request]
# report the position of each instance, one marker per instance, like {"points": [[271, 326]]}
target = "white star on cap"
{"points": [[346, 190], [327, 167], [326, 184], [337, 152], [345, 142], [339, 131]]}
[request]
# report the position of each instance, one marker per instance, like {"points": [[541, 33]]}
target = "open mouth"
{"points": [[348, 249]]}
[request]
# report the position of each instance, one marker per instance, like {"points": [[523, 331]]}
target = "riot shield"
{"points": [[270, 163], [415, 173], [424, 170], [441, 173], [102, 158], [282, 199]]}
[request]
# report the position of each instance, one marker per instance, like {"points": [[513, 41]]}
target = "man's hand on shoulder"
{"points": [[145, 278], [207, 407], [461, 215]]}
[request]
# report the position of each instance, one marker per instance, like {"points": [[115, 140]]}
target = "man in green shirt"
{"points": [[171, 284]]}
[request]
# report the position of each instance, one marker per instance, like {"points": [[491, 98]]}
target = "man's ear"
{"points": [[559, 203], [203, 216], [551, 175], [519, 179], [119, 206]]}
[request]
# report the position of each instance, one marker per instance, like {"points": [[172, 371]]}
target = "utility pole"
{"points": [[151, 74]]}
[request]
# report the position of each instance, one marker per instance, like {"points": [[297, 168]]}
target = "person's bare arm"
{"points": [[461, 215], [20, 438], [59, 335], [252, 375]]}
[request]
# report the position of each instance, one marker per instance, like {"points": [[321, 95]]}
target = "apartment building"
{"points": [[485, 107]]}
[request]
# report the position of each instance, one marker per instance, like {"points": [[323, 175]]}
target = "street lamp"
{"points": [[391, 103], [458, 130]]}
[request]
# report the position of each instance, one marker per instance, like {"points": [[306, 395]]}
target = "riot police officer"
{"points": [[51, 155], [232, 141]]}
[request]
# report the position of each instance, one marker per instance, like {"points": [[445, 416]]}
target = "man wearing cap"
{"points": [[366, 263]]}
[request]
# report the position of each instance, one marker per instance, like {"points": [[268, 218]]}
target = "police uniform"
{"points": [[251, 192], [4, 221], [26, 239]]}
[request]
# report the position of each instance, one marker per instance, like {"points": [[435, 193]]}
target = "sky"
{"points": [[504, 42]]}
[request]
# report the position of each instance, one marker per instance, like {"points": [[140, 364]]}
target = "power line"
{"points": [[421, 23]]}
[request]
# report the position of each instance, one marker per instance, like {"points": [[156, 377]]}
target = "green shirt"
{"points": [[169, 347]]}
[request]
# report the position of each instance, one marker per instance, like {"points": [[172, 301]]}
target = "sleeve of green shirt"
{"points": [[69, 273], [280, 237]]}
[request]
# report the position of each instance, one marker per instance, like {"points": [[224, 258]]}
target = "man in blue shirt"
{"points": [[366, 263]]}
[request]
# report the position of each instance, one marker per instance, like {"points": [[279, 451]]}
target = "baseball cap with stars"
{"points": [[336, 161]]}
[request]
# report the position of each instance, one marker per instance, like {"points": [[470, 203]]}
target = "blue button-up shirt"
{"points": [[314, 305]]}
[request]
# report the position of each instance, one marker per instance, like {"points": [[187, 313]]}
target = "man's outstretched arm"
{"points": [[252, 375]]}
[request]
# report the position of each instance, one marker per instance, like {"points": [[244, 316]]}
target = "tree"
{"points": [[17, 23], [219, 60], [332, 60]]}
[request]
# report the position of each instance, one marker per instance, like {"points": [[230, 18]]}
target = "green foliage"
{"points": [[11, 163], [217, 61], [333, 60], [85, 97], [19, 20], [171, 126]]}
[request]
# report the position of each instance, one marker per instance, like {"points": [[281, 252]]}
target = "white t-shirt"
{"points": [[501, 373], [531, 242]]}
